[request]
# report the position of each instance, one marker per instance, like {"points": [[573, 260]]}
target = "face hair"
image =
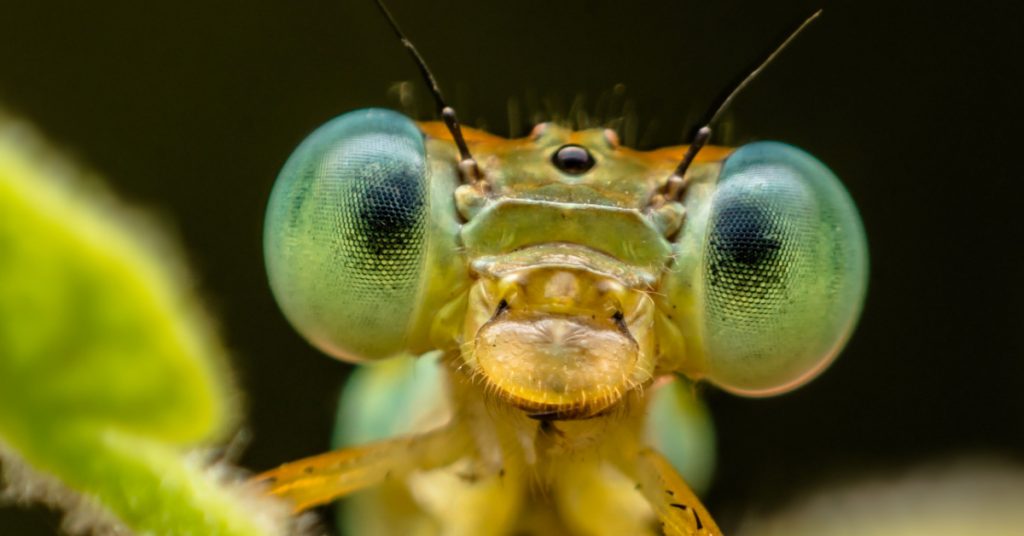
{"points": [[675, 186]]}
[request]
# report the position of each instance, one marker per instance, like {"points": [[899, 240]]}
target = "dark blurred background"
{"points": [[190, 108]]}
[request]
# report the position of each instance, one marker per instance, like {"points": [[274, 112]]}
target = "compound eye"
{"points": [[784, 270], [345, 234], [573, 159]]}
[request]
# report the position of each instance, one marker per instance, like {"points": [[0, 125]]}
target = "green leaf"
{"points": [[112, 382]]}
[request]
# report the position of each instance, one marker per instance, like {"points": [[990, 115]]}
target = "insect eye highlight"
{"points": [[573, 159]]}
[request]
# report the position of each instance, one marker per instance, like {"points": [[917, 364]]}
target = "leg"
{"points": [[679, 510], [397, 397], [324, 478]]}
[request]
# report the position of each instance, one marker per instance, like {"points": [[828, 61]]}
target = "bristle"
{"points": [[649, 135], [630, 123], [577, 116], [690, 124], [231, 451], [482, 124], [617, 104], [404, 93], [612, 109], [602, 113], [534, 114], [551, 108], [726, 131], [515, 118]]}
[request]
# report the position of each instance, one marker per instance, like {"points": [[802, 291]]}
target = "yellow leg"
{"points": [[677, 507], [321, 479]]}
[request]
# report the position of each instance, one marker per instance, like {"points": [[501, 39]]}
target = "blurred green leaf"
{"points": [[112, 382]]}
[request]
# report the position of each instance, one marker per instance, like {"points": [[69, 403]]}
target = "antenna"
{"points": [[468, 164], [676, 185]]}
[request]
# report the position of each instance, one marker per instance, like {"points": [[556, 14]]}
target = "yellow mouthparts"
{"points": [[559, 343]]}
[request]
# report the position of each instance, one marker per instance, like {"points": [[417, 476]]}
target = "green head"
{"points": [[563, 279]]}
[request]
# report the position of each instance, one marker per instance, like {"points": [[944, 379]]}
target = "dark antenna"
{"points": [[676, 185], [468, 163]]}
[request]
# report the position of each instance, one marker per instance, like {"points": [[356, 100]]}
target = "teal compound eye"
{"points": [[782, 273], [345, 234]]}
